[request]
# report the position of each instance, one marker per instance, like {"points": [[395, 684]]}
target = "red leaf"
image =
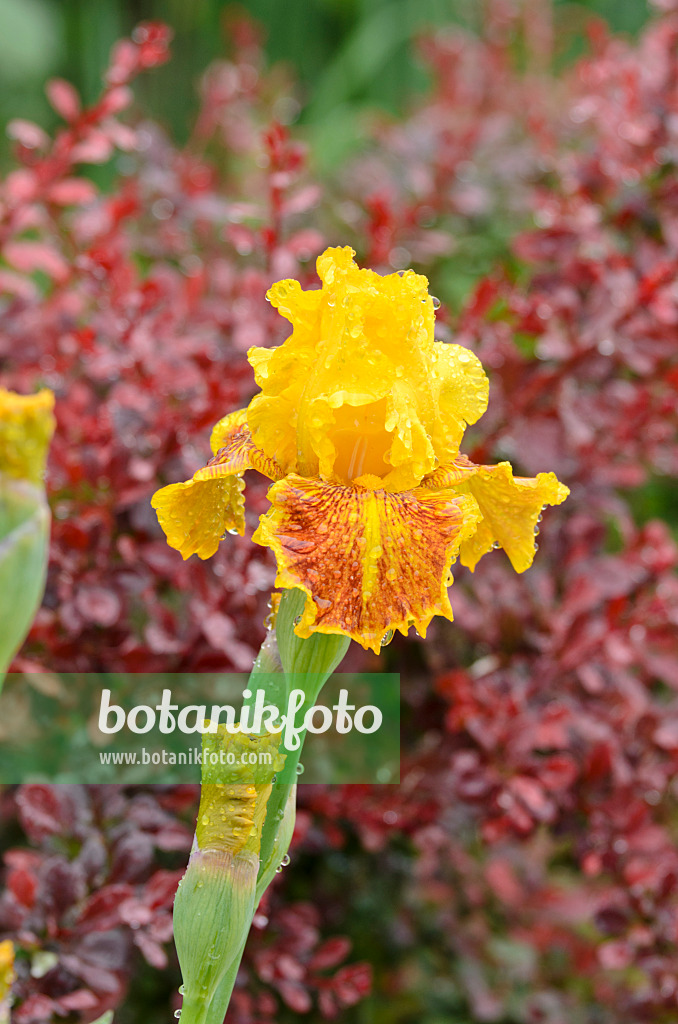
{"points": [[41, 811], [295, 995], [64, 98], [28, 134], [31, 256], [72, 192], [97, 148], [330, 953], [23, 885], [102, 910]]}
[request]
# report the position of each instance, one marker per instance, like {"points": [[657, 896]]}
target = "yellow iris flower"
{"points": [[358, 422]]}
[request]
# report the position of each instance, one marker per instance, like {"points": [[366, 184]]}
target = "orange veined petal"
{"points": [[196, 513], [453, 473], [235, 451], [368, 560], [510, 507], [226, 428]]}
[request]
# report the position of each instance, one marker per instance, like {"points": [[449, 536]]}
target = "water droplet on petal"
{"points": [[386, 638], [285, 861], [177, 1014], [436, 301]]}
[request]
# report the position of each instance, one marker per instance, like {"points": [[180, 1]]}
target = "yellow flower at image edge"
{"points": [[26, 428], [358, 422], [6, 969]]}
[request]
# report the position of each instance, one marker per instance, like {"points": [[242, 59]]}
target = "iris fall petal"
{"points": [[368, 560]]}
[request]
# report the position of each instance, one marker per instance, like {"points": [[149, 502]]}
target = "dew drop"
{"points": [[536, 531], [540, 517], [496, 545], [177, 1014], [182, 990], [300, 769], [233, 532], [278, 870], [436, 301], [386, 638], [285, 861], [297, 620]]}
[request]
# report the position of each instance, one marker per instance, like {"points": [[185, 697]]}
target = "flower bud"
{"points": [[26, 425], [217, 896]]}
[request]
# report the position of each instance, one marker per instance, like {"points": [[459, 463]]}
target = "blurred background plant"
{"points": [[348, 56], [526, 869]]}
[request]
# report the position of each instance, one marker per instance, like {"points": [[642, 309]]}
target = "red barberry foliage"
{"points": [[526, 868]]}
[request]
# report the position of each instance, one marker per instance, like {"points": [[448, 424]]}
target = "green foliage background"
{"points": [[348, 55]]}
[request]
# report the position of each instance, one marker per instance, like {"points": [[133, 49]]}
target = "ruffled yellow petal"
{"points": [[26, 427], [510, 508], [369, 560], [282, 373], [361, 386], [462, 391], [196, 514]]}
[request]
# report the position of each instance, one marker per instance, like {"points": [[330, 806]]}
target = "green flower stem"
{"points": [[314, 660], [217, 1010], [196, 1011], [283, 657]]}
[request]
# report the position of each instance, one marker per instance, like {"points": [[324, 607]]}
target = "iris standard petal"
{"points": [[361, 386]]}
